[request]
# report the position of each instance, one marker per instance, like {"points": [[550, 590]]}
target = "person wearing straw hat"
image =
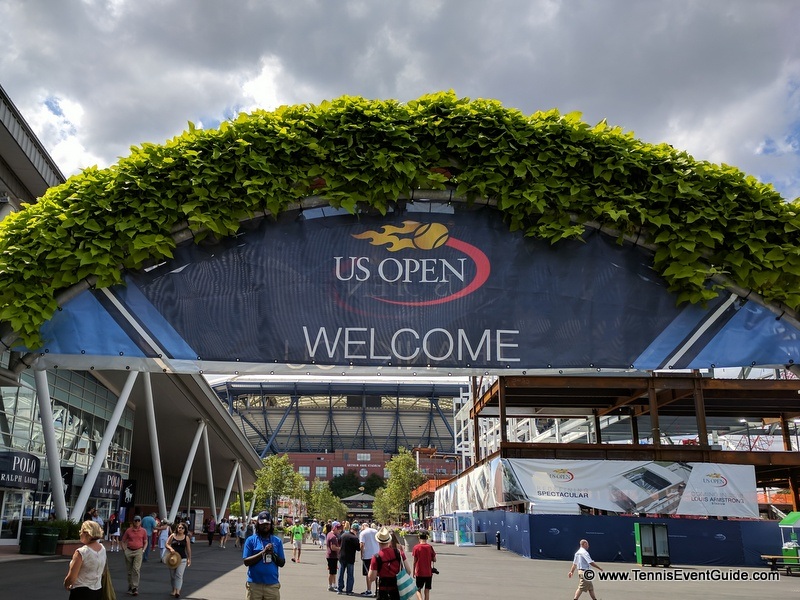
{"points": [[385, 566], [179, 546]]}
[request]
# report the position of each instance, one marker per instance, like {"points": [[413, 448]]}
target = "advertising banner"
{"points": [[699, 489], [451, 290], [107, 485], [19, 470]]}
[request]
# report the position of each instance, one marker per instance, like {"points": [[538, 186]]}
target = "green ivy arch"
{"points": [[549, 174]]}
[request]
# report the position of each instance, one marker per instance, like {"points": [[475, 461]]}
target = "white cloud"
{"points": [[718, 78]]}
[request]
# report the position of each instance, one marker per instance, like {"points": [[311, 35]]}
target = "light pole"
{"points": [[747, 429]]}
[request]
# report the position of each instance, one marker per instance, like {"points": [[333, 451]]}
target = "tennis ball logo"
{"points": [[411, 234], [430, 235]]}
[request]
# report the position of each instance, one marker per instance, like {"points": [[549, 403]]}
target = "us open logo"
{"points": [[562, 475], [411, 267], [715, 480]]}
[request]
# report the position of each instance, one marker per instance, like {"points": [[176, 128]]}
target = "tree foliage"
{"points": [[391, 502], [372, 483], [324, 504], [234, 506], [273, 480], [345, 485], [551, 175]]}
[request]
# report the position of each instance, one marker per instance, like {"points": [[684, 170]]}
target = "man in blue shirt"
{"points": [[263, 556], [149, 524]]}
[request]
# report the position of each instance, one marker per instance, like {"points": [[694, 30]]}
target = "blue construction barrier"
{"points": [[691, 541]]}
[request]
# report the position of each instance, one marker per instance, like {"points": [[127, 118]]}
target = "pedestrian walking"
{"points": [[134, 542], [163, 531], [583, 563], [211, 530], [332, 554], [369, 547], [84, 579], [181, 543], [424, 556], [224, 532], [348, 547], [385, 566], [315, 531], [112, 526], [298, 532], [149, 524], [239, 533], [263, 556]]}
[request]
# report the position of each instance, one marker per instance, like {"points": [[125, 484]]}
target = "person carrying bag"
{"points": [[390, 567]]}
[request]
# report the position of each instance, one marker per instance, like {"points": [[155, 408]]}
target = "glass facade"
{"points": [[82, 408]]}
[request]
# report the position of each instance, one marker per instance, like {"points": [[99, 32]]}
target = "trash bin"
{"points": [[27, 539], [46, 541], [790, 553]]}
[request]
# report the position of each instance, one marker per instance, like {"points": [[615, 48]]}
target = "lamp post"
{"points": [[747, 429]]}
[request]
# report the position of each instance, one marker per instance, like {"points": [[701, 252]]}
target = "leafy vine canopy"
{"points": [[548, 173]]}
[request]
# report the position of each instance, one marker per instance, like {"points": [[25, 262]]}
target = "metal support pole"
{"points": [[186, 469], [210, 474], [50, 444], [102, 449], [655, 430], [253, 505], [155, 452], [228, 491], [242, 507]]}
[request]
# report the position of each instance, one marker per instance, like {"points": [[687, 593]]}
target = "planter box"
{"points": [[410, 540], [67, 547]]}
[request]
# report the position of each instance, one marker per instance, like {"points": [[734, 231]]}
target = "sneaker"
{"points": [[331, 588]]}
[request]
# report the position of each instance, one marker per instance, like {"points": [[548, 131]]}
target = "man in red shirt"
{"points": [[134, 542], [424, 557], [332, 554]]}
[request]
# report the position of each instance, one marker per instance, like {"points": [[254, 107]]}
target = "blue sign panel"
{"points": [[449, 291]]}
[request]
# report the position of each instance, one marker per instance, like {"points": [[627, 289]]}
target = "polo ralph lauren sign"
{"points": [[19, 470]]}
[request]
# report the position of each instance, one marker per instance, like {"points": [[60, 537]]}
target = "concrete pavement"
{"points": [[466, 573]]}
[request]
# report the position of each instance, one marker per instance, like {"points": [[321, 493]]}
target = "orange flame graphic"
{"points": [[425, 236]]}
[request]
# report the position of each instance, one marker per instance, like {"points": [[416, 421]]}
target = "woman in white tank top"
{"points": [[85, 575]]}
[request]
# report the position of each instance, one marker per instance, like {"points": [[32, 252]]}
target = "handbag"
{"points": [[406, 586], [107, 586]]}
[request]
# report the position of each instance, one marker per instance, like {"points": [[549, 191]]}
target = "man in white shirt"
{"points": [[315, 528], [584, 564], [369, 548]]}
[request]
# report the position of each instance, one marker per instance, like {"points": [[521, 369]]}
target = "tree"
{"points": [[391, 501], [324, 504], [297, 492], [381, 511], [234, 507], [373, 483], [345, 485], [273, 480]]}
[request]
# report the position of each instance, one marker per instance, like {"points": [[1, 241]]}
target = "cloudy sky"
{"points": [[718, 78]]}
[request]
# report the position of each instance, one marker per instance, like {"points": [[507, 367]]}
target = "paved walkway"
{"points": [[466, 573]]}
